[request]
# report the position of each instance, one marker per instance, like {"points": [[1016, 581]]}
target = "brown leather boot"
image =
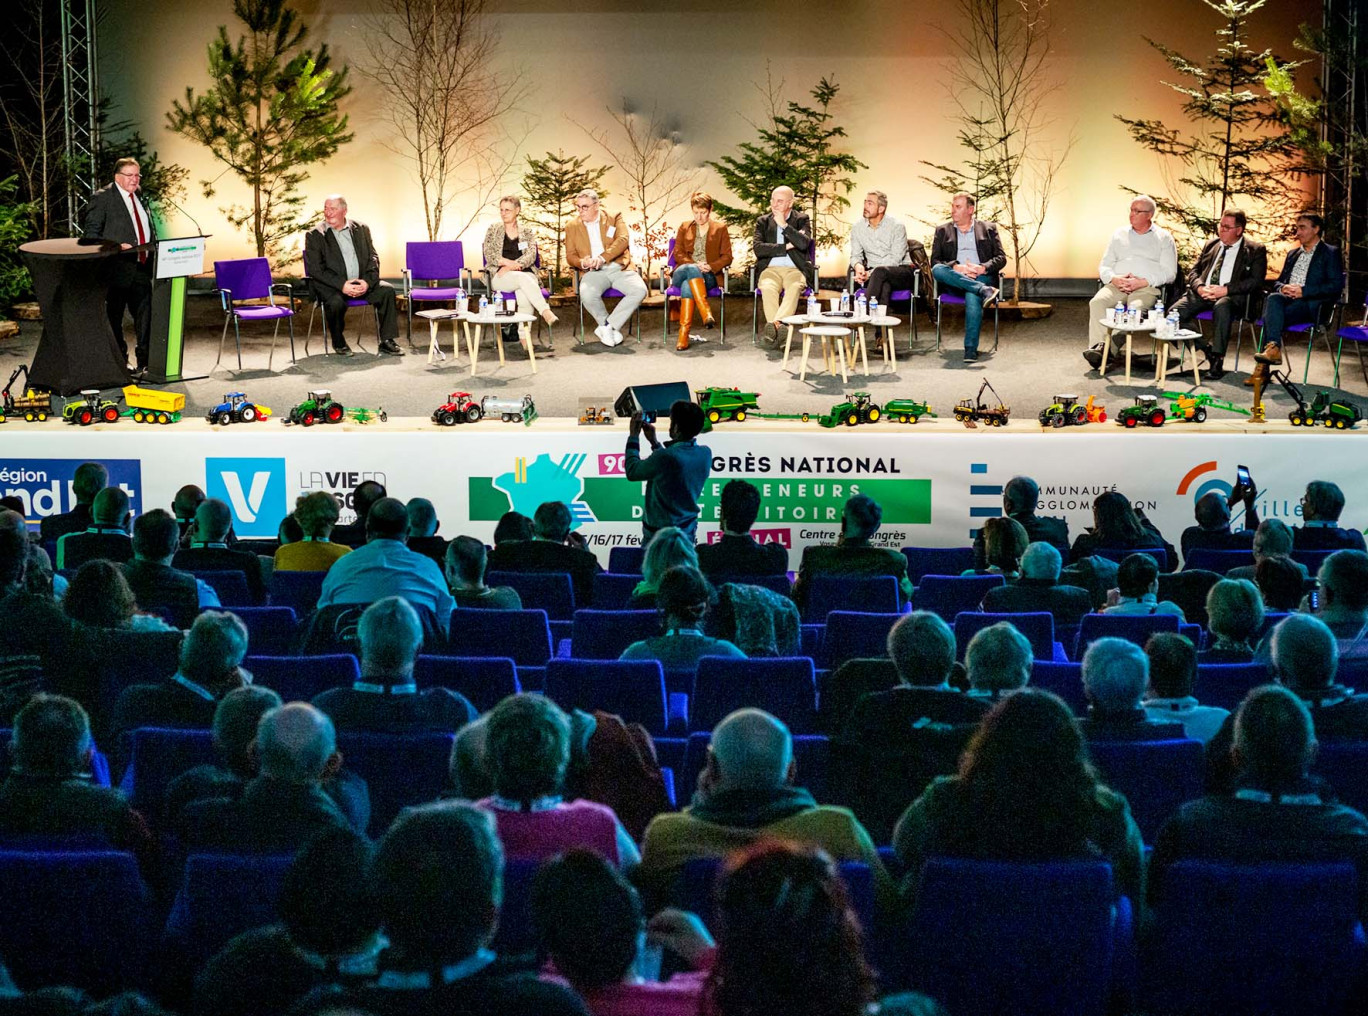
{"points": [[699, 290], [686, 312], [1272, 354]]}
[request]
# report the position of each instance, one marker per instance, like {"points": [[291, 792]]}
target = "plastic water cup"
{"points": [[463, 305], [835, 304]]}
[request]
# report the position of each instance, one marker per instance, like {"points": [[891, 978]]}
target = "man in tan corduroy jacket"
{"points": [[597, 245]]}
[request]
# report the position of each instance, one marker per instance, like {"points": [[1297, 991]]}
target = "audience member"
{"points": [[1281, 582], [285, 804], [1235, 618], [328, 933], [1004, 541], [209, 550], [154, 583], [1321, 506], [1039, 589], [512, 527], [287, 532], [1025, 791], [1172, 677], [444, 860], [1212, 531], [317, 514], [736, 553], [528, 751], [675, 471], [549, 550], [98, 596], [683, 601], [88, 480], [183, 506], [1343, 602], [1277, 813], [853, 556], [1137, 589], [1115, 676], [922, 648], [384, 566], [1272, 538], [465, 574], [1020, 497], [998, 660], [1118, 526], [236, 720], [747, 792], [387, 699], [106, 537], [49, 792], [363, 497], [422, 529], [758, 621], [590, 924], [669, 548], [35, 632], [210, 667]]}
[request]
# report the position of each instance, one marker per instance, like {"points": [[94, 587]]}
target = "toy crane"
{"points": [[1323, 409], [969, 410], [34, 405]]}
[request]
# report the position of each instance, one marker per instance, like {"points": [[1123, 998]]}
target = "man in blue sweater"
{"points": [[674, 473]]}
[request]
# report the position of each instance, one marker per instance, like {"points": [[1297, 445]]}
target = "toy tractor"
{"points": [[967, 411], [593, 415], [90, 408], [906, 410], [236, 409], [35, 405], [458, 408], [726, 403], [1146, 410], [852, 413], [319, 407]]}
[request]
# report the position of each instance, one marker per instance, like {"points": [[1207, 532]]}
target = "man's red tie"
{"points": [[137, 221]]}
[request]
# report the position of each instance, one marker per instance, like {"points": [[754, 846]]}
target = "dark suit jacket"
{"points": [[945, 246], [75, 549], [225, 559], [207, 782], [160, 587], [1251, 268], [1197, 538], [1326, 538], [883, 720], [45, 806], [850, 561], [545, 556], [1068, 604], [323, 262], [54, 527], [429, 709], [798, 232], [270, 817], [162, 705], [107, 217], [742, 555], [1325, 277]]}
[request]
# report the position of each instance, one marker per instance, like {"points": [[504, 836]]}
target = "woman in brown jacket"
{"points": [[702, 251]]}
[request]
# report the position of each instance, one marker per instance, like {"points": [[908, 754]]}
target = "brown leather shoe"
{"points": [[1272, 354], [699, 291], [686, 313]]}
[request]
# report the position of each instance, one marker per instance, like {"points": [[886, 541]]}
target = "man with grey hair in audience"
{"points": [[285, 805], [422, 530], [1140, 260], [209, 550], [598, 246], [998, 659], [1115, 677], [748, 791], [1272, 538], [88, 480], [1020, 498], [1211, 512], [1321, 506], [387, 698], [1039, 589], [210, 667], [384, 566]]}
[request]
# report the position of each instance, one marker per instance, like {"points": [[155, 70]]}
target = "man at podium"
{"points": [[115, 213]]}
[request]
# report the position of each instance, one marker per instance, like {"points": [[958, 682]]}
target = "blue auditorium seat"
{"points": [[300, 678], [1037, 627], [923, 561], [401, 770], [156, 757], [548, 591], [785, 687], [221, 896], [604, 634], [484, 680], [1226, 684], [524, 635], [1155, 777], [299, 590], [1135, 628], [613, 591], [1064, 679], [631, 689], [948, 595], [850, 635], [271, 631], [872, 594]]}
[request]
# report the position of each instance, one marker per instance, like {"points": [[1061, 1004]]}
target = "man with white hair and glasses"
{"points": [[1139, 262], [783, 259], [598, 245]]}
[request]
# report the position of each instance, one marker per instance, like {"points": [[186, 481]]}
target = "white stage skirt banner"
{"points": [[936, 481]]}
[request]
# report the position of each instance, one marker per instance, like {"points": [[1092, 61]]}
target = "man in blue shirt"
{"points": [[674, 473], [384, 566]]}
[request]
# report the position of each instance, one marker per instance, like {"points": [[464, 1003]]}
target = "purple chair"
{"points": [[488, 275], [604, 634], [250, 279], [1135, 628], [435, 262], [937, 561], [608, 294], [675, 293], [632, 689], [612, 591], [626, 560], [910, 295], [1358, 335], [948, 595], [1246, 319], [852, 634], [316, 302], [1219, 561], [1037, 627], [785, 687], [957, 300]]}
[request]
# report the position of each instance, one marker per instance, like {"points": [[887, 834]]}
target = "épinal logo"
{"points": [[254, 488], [1190, 482]]}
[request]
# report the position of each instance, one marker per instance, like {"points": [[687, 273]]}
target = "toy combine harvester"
{"points": [[1194, 406], [33, 405], [1066, 411], [969, 411], [147, 405], [726, 403]]}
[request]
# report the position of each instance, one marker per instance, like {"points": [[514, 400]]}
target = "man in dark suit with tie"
{"points": [[1312, 277], [116, 213], [341, 263], [967, 256], [1228, 281]]}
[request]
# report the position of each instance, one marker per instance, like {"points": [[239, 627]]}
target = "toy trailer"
{"points": [[147, 405], [730, 403], [510, 410], [906, 410]]}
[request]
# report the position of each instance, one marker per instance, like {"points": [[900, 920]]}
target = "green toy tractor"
{"points": [[319, 407], [1146, 410], [1330, 412], [90, 408], [859, 409]]}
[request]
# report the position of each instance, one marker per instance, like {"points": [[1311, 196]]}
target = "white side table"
{"points": [[434, 320], [792, 322], [480, 320], [1186, 340], [890, 356], [1130, 331], [827, 333]]}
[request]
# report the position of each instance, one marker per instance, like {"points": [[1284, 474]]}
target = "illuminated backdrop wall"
{"points": [[700, 67]]}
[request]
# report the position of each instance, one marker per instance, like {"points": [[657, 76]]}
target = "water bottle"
{"points": [[812, 307], [845, 302], [1119, 312], [1171, 323], [861, 307], [484, 305], [873, 307], [1157, 313]]}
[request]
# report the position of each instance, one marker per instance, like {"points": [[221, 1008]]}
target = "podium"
{"points": [[177, 258]]}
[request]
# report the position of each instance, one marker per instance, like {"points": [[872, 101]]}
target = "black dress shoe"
{"points": [[1215, 367], [390, 348], [1094, 357], [342, 349]]}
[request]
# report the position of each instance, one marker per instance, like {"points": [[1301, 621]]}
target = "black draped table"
{"points": [[77, 348]]}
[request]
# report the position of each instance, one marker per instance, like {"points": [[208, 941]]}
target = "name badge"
{"points": [[522, 245], [612, 231]]}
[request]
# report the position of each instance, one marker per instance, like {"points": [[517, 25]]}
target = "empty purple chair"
{"points": [[524, 635], [948, 595], [1135, 628], [870, 594], [852, 634], [300, 678], [1226, 684], [1064, 680], [298, 590], [626, 560], [604, 634], [922, 561], [231, 587], [250, 279], [785, 687], [613, 591], [1219, 561], [271, 631], [632, 689], [1155, 777], [436, 262], [484, 680], [222, 896], [1357, 335], [672, 292], [548, 591]]}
